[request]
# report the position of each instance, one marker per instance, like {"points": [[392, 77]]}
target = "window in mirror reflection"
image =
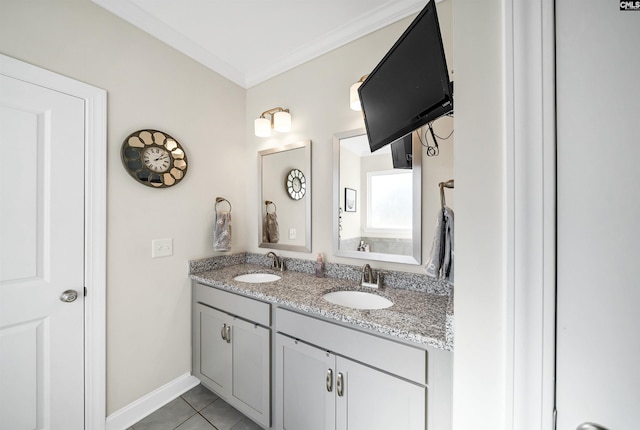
{"points": [[389, 201], [385, 225]]}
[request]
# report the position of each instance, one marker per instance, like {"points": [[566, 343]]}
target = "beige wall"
{"points": [[149, 85]]}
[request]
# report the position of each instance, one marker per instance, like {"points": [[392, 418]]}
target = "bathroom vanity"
{"points": [[232, 349], [288, 359]]}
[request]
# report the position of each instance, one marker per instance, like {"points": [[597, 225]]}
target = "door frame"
{"points": [[530, 132], [95, 184]]}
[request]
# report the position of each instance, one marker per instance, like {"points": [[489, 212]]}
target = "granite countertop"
{"points": [[415, 317]]}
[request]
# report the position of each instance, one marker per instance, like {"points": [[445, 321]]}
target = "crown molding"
{"points": [[364, 24]]}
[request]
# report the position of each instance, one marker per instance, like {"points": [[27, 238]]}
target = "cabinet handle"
{"points": [[228, 334], [330, 380], [223, 332], [340, 384]]}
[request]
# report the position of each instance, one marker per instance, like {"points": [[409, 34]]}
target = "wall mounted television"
{"points": [[410, 86], [402, 152]]}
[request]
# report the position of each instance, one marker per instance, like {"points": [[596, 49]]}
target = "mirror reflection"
{"points": [[377, 199], [285, 197]]}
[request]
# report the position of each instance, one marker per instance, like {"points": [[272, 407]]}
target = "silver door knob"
{"points": [[69, 296], [590, 426]]}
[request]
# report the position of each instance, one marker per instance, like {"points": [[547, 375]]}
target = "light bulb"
{"points": [[262, 127], [354, 98], [282, 122]]}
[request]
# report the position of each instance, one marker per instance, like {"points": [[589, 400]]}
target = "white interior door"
{"points": [[598, 100], [41, 257]]}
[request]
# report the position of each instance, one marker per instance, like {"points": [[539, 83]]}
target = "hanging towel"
{"points": [[440, 262], [222, 232], [271, 231]]}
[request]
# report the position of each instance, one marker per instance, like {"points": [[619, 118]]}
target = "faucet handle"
{"points": [[380, 277]]}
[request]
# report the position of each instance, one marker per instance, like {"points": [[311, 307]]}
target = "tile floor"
{"points": [[197, 409]]}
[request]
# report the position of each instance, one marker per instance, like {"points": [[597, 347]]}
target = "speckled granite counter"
{"points": [[416, 316]]}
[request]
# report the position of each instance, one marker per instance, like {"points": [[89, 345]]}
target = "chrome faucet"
{"points": [[277, 262], [366, 280], [367, 274]]}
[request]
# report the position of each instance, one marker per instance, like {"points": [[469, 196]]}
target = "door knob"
{"points": [[69, 296], [590, 426]]}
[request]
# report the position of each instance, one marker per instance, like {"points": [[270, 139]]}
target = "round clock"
{"points": [[154, 158], [296, 184]]}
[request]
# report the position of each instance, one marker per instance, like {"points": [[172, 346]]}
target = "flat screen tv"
{"points": [[410, 86], [402, 152]]}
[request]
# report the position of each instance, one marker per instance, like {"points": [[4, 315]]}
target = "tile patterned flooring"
{"points": [[197, 409]]}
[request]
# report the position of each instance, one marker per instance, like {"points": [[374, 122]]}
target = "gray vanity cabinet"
{"points": [[320, 390], [232, 349], [332, 377], [305, 386]]}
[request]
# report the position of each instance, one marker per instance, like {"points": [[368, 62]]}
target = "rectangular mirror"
{"points": [[285, 197], [377, 208]]}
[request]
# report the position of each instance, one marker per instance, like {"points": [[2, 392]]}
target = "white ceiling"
{"points": [[250, 41]]}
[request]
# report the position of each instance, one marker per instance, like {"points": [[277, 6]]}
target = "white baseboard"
{"points": [[124, 418]]}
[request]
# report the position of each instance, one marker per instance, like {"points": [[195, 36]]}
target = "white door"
{"points": [[41, 257], [598, 260]]}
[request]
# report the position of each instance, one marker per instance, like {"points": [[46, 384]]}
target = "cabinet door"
{"points": [[251, 368], [306, 386], [374, 400], [215, 356]]}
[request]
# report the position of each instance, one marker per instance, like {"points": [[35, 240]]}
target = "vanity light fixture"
{"points": [[280, 121], [354, 98]]}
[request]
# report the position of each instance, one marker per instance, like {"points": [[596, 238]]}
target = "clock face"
{"points": [[154, 158], [296, 184]]}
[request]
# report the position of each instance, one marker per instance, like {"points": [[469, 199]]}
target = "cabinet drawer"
{"points": [[234, 304], [393, 357]]}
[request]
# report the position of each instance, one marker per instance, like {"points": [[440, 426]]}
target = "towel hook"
{"points": [[443, 185], [219, 200], [269, 202]]}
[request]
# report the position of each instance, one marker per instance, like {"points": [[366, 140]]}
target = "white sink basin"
{"points": [[257, 278], [358, 300]]}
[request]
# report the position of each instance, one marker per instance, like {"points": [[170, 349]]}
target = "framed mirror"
{"points": [[285, 197], [377, 207]]}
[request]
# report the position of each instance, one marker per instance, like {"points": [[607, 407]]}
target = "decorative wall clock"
{"points": [[296, 184], [154, 158]]}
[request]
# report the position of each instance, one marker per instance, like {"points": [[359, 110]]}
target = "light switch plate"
{"points": [[161, 248], [292, 233]]}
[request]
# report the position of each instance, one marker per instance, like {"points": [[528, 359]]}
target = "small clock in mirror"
{"points": [[296, 184]]}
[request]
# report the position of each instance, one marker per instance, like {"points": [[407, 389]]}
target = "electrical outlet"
{"points": [[161, 248], [292, 233]]}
